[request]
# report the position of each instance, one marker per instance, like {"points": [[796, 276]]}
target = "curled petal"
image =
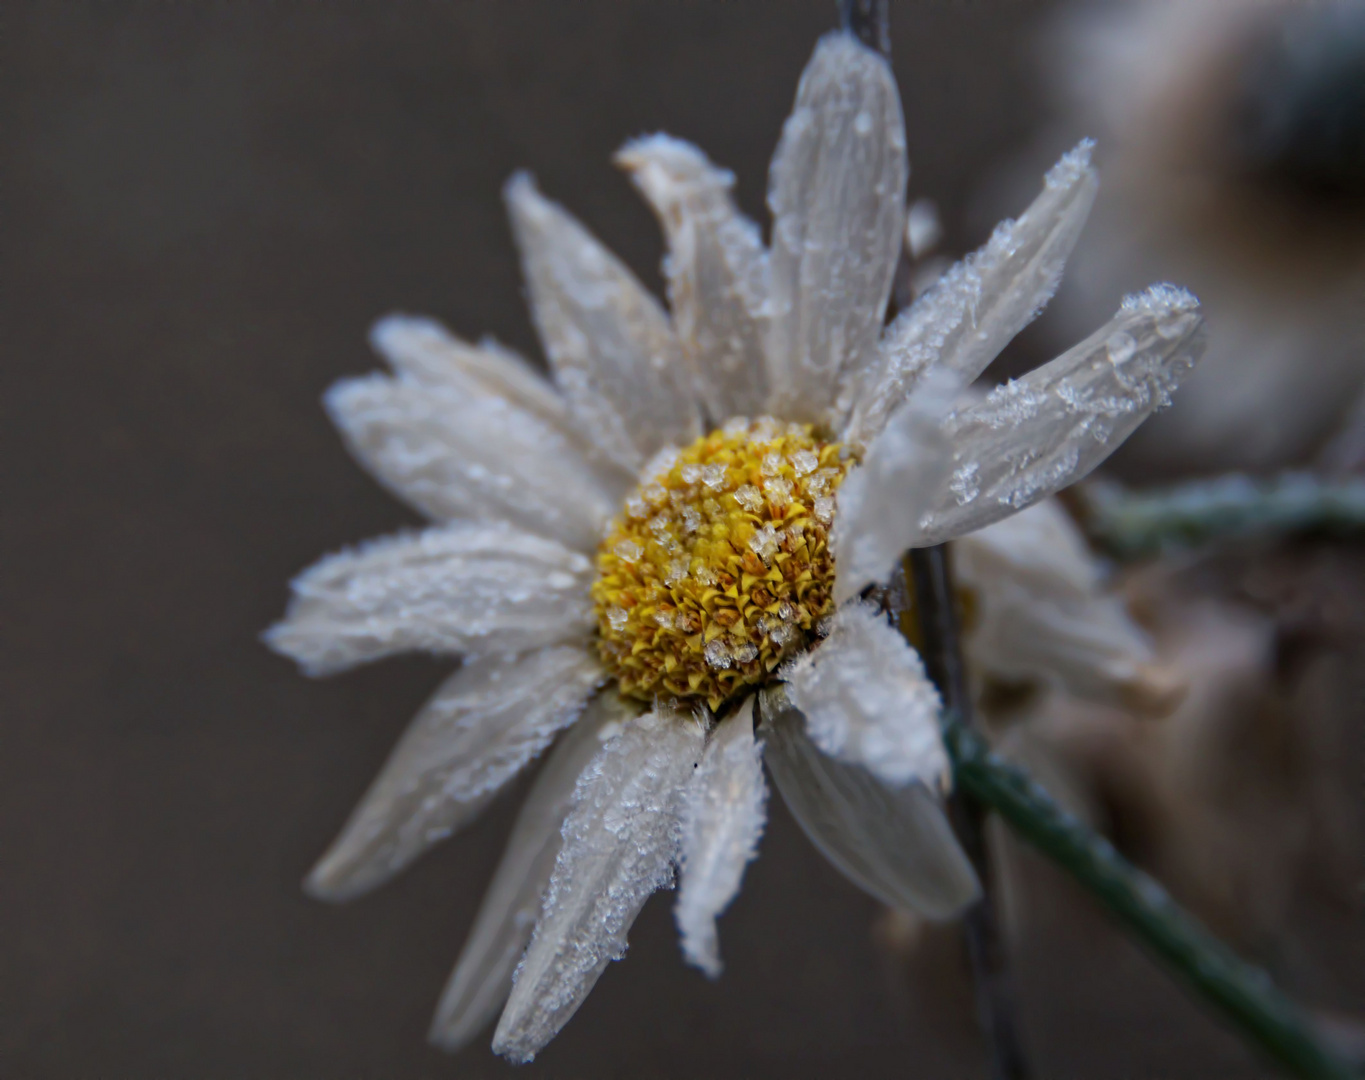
{"points": [[893, 842], [482, 727], [620, 842], [613, 352], [837, 194], [867, 701], [724, 812], [482, 978], [456, 588], [982, 302], [1033, 436], [717, 272], [1039, 608]]}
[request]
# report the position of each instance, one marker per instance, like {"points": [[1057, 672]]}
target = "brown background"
{"points": [[206, 205]]}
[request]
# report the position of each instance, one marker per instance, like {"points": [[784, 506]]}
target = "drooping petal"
{"points": [[1033, 436], [620, 841], [911, 457], [717, 272], [1039, 608], [482, 978], [981, 303], [837, 194], [723, 818], [613, 352], [454, 452], [867, 701], [893, 842], [481, 728], [455, 588]]}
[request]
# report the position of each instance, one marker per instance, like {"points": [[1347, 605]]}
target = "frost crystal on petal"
{"points": [[979, 305], [837, 194], [620, 842], [1034, 436], [722, 820], [484, 724], [893, 842], [867, 700], [459, 588], [610, 344], [716, 268], [482, 978]]}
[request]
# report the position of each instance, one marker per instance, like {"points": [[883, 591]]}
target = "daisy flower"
{"points": [[658, 563]]}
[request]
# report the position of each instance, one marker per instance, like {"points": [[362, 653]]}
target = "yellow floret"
{"points": [[719, 567]]}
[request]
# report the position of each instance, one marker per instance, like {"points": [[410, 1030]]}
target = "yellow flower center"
{"points": [[719, 566]]}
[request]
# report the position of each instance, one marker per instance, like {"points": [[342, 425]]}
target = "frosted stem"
{"points": [[940, 647], [1243, 994]]}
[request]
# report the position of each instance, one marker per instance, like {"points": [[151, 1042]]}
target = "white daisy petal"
{"points": [[620, 841], [1040, 610], [893, 842], [481, 728], [722, 821], [613, 352], [1034, 436], [837, 194], [717, 271], [482, 978], [455, 452], [912, 458], [982, 302], [455, 588], [867, 701]]}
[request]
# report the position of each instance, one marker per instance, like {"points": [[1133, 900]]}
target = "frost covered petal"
{"points": [[837, 195], [1034, 436], [882, 500], [620, 842], [613, 352], [454, 451], [893, 842], [722, 820], [1039, 608], [982, 302], [481, 728], [482, 978], [716, 268], [454, 588], [867, 701]]}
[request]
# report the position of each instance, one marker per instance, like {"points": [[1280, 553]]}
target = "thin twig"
{"points": [[1243, 993], [935, 605]]}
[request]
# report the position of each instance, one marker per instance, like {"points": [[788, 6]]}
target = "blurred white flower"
{"points": [[715, 460]]}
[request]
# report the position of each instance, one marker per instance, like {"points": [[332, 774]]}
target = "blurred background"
{"points": [[207, 205]]}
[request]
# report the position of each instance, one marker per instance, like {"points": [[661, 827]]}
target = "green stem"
{"points": [[1137, 523], [1243, 993]]}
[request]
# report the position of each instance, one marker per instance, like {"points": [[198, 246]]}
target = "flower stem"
{"points": [[1242, 993], [1135, 523], [940, 645]]}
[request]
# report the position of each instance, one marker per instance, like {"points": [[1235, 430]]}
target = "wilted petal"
{"points": [[1034, 436], [613, 352], [482, 978], [979, 305], [456, 452], [716, 268], [881, 501], [837, 194], [453, 589], [893, 842], [1039, 608], [722, 821], [482, 727], [867, 701], [620, 841]]}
